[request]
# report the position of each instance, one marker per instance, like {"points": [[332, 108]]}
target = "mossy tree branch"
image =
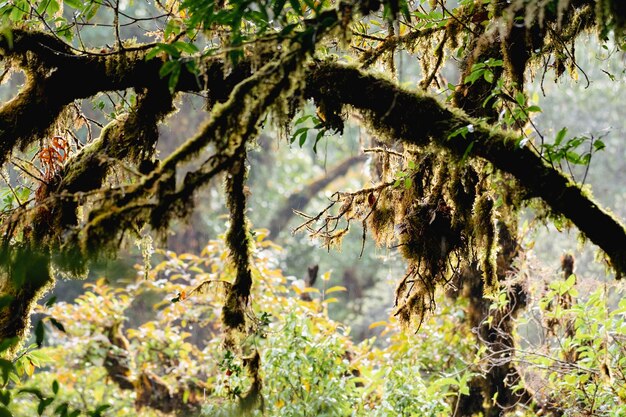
{"points": [[238, 241], [56, 76], [420, 119]]}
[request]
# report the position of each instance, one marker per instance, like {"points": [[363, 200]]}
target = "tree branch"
{"points": [[419, 119], [300, 199]]}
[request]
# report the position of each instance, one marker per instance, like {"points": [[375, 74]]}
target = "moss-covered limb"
{"points": [[418, 118], [57, 76], [238, 241], [300, 199], [388, 44], [25, 277], [494, 329], [50, 49], [130, 139], [156, 199], [61, 78], [237, 297], [17, 124]]}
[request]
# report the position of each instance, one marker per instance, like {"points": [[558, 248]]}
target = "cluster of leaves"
{"points": [[571, 341], [15, 389], [301, 133], [308, 361], [566, 150]]}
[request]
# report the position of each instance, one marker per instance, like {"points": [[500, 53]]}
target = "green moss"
{"points": [[381, 224]]}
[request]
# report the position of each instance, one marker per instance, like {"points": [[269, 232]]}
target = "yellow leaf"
{"points": [[29, 368], [330, 300], [326, 275], [261, 234], [335, 289], [377, 324]]}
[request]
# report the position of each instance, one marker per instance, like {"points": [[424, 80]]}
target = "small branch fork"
{"points": [[352, 208]]}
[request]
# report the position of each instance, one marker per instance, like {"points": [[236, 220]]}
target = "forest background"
{"points": [[144, 334]]}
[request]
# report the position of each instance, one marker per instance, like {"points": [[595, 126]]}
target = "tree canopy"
{"points": [[458, 153]]}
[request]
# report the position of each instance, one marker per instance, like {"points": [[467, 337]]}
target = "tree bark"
{"points": [[420, 119]]}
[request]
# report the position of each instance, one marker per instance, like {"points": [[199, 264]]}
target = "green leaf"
{"points": [[5, 397], [4, 412], [170, 49], [463, 131], [76, 4], [34, 391], [278, 7], [303, 137], [295, 5], [573, 157], [51, 301], [560, 136], [167, 68], [55, 387], [598, 145], [171, 28], [43, 404], [187, 47], [319, 136], [6, 368], [473, 76], [173, 81], [40, 332], [91, 9], [99, 409], [303, 119], [57, 324], [48, 7], [467, 151], [61, 409]]}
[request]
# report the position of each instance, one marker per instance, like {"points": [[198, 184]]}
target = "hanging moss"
{"points": [[238, 241], [381, 224], [484, 225], [252, 398]]}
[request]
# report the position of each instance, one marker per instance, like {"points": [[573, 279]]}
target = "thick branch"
{"points": [[57, 76], [419, 119]]}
